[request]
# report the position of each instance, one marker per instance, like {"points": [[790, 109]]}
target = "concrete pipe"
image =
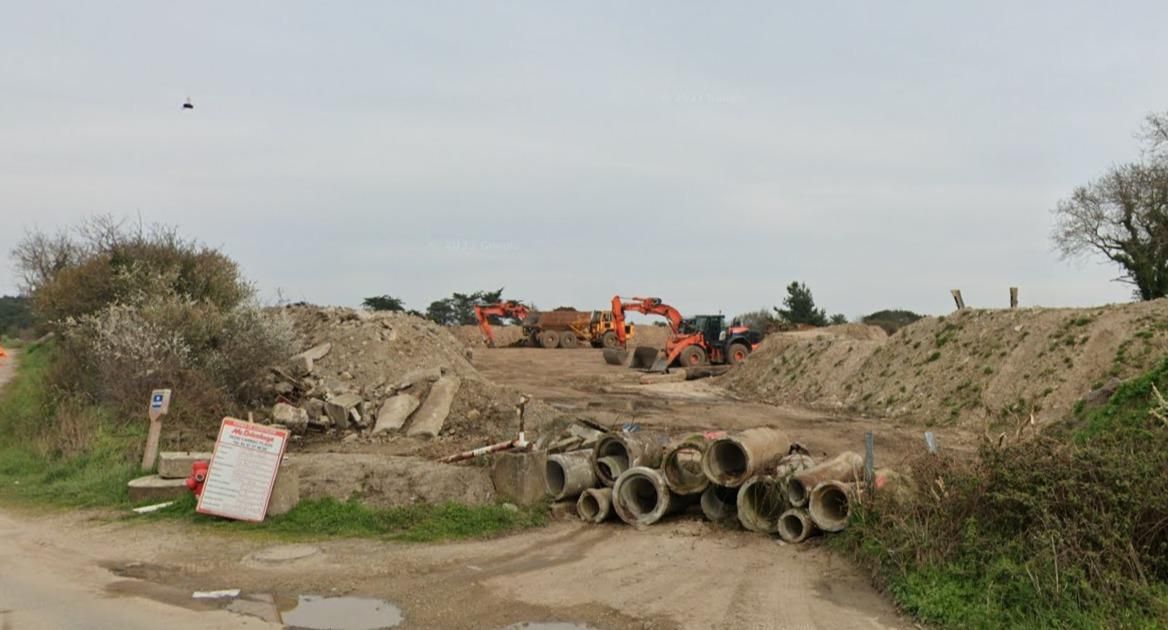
{"points": [[760, 504], [720, 504], [682, 464], [626, 450], [595, 505], [731, 460], [831, 503], [795, 525], [793, 463], [846, 466], [569, 474], [641, 497]]}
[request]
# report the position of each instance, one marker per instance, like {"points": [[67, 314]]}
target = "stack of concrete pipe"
{"points": [[750, 478]]}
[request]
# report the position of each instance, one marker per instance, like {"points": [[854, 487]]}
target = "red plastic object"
{"points": [[198, 476]]}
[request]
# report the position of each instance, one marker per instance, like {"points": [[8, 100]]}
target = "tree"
{"points": [[1123, 216], [458, 309], [761, 320], [838, 318], [383, 303], [800, 307], [891, 320], [15, 315]]}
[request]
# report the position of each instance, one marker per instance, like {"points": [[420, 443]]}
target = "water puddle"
{"points": [[314, 612]]}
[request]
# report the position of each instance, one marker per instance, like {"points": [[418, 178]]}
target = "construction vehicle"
{"points": [[509, 308], [700, 340], [561, 328]]}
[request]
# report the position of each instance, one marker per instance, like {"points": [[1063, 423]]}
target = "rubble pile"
{"points": [[374, 375]]}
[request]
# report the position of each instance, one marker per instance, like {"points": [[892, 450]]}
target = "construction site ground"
{"points": [[684, 573]]}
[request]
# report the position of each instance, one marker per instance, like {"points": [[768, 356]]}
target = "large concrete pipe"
{"points": [[731, 460], [595, 505], [846, 466], [720, 504], [795, 525], [831, 503], [569, 474], [619, 451], [760, 504], [793, 463], [641, 497], [682, 464]]}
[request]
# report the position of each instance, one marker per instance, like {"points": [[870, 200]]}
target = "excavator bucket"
{"points": [[616, 356], [647, 358]]}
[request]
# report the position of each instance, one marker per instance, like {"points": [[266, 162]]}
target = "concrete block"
{"points": [[155, 488], [177, 464], [338, 407], [413, 377], [394, 413], [520, 477], [295, 418], [428, 419], [286, 491]]}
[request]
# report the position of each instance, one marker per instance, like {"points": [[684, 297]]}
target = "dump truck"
{"points": [[569, 328]]}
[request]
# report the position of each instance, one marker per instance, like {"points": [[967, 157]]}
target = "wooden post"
{"points": [[956, 293], [159, 405], [1013, 297]]}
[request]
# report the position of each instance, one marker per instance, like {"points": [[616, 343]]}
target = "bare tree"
{"points": [[1123, 216]]}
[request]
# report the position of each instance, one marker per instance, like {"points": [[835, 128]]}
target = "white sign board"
{"points": [[159, 403], [243, 470]]}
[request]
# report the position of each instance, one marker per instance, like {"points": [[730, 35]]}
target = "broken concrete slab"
{"points": [[295, 418], [177, 464], [394, 413], [413, 377], [520, 477], [428, 419], [286, 490], [337, 408], [155, 488], [317, 352]]}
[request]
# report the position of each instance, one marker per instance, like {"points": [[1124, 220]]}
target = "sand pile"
{"points": [[995, 367]]}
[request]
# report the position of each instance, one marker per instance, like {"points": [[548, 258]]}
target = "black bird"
{"points": [[188, 104]]}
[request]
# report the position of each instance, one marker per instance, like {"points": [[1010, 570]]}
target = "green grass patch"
{"points": [[324, 518], [1128, 406]]}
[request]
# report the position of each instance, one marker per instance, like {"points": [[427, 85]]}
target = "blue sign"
{"points": [[156, 402]]}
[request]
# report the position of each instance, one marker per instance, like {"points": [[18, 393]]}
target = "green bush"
{"points": [[1045, 532], [891, 320]]}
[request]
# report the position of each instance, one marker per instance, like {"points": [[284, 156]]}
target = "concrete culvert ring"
{"points": [[719, 503], [612, 459], [830, 504], [795, 526], [641, 497], [760, 504], [683, 469], [726, 462], [588, 507], [554, 473], [796, 492]]}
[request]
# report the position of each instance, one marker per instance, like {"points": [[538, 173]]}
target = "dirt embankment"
{"points": [[992, 367]]}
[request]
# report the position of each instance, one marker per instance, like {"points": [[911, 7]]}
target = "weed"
{"points": [[933, 357]]}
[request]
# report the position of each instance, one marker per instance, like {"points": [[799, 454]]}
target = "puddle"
{"points": [[548, 625], [314, 612]]}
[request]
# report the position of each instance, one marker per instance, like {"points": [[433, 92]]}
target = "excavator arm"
{"points": [[646, 305], [511, 309]]}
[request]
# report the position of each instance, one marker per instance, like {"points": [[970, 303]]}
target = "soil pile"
{"points": [[996, 367], [472, 337], [361, 359]]}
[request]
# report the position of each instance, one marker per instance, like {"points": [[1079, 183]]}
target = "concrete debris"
{"points": [[177, 464], [519, 477], [295, 418], [155, 488], [428, 420], [337, 408], [394, 413], [413, 377]]}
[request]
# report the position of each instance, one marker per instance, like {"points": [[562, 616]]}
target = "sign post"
{"points": [[159, 405], [243, 470]]}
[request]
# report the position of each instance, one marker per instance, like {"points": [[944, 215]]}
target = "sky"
{"points": [[705, 153]]}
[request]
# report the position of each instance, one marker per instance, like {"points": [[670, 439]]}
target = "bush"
{"points": [[1046, 532], [891, 320]]}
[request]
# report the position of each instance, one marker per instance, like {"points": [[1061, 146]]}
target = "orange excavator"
{"points": [[511, 309], [699, 340]]}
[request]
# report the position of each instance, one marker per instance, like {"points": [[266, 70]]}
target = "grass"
{"points": [[323, 518], [62, 453]]}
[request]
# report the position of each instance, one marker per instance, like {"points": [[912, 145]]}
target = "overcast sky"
{"points": [[706, 153]]}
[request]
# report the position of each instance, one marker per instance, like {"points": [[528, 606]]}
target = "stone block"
{"points": [[177, 464], [286, 490], [394, 413], [520, 477], [430, 417], [155, 488]]}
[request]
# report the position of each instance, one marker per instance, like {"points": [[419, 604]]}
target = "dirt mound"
{"points": [[366, 358], [995, 367], [649, 335], [472, 337]]}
